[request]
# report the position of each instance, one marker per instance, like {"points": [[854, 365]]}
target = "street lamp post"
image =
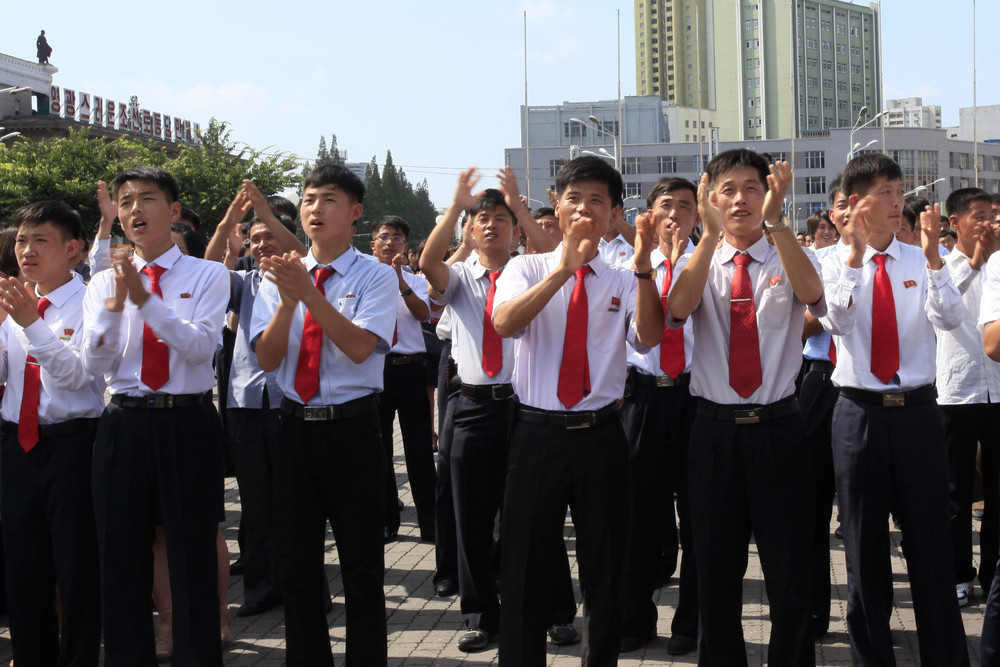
{"points": [[597, 128], [926, 186], [858, 125], [857, 148]]}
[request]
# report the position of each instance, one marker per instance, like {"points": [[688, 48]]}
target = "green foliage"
{"points": [[390, 193], [68, 168]]}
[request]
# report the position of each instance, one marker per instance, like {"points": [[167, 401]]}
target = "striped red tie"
{"points": [[574, 371], [307, 370], [27, 421], [744, 345]]}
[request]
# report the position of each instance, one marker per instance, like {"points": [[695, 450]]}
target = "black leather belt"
{"points": [[69, 427], [682, 380], [919, 396], [160, 400], [323, 413], [748, 414], [488, 392], [567, 419], [825, 367], [400, 359]]}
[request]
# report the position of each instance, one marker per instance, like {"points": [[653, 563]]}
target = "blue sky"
{"points": [[440, 84]]}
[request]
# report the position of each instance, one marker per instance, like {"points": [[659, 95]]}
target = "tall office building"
{"points": [[770, 69], [673, 40], [797, 67]]}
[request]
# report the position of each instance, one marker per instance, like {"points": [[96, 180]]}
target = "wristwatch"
{"points": [[405, 293], [645, 275], [779, 226]]}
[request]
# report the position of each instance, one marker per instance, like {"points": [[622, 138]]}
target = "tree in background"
{"points": [[68, 168], [391, 193]]}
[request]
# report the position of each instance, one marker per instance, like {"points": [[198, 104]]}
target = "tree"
{"points": [[68, 168], [391, 194]]}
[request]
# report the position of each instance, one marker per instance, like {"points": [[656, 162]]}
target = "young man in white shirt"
{"points": [[968, 384], [50, 412], [749, 472], [151, 327], [572, 314], [884, 301]]}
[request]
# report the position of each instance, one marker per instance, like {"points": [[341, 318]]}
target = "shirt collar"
{"points": [[478, 270], [166, 260], [341, 264], [893, 250], [60, 295], [656, 258], [758, 251]]}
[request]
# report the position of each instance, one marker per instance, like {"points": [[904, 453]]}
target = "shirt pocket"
{"points": [[606, 329], [346, 306], [774, 309], [183, 308]]}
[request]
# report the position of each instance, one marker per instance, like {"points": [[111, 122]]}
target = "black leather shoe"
{"points": [[563, 635], [390, 535], [473, 640], [680, 644], [446, 587], [629, 644], [237, 566], [255, 608]]}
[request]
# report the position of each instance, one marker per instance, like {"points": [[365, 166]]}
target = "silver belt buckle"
{"points": [[665, 381], [893, 400], [582, 424], [494, 389], [314, 413], [747, 416]]}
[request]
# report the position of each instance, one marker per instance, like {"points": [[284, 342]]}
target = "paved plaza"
{"points": [[424, 629]]}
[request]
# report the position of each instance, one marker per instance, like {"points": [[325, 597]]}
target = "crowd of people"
{"points": [[705, 355]]}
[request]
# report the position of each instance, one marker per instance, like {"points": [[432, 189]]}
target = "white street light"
{"points": [[857, 148], [15, 90], [859, 125], [10, 136], [927, 186], [597, 128]]}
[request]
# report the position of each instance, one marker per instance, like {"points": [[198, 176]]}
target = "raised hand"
{"points": [[708, 209], [18, 300], [464, 197], [778, 182]]}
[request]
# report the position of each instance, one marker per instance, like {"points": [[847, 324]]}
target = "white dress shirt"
{"points": [[188, 318], [649, 362], [964, 373], [247, 380], [409, 334], [616, 251], [67, 390], [780, 316], [924, 299], [362, 290], [611, 294], [468, 287]]}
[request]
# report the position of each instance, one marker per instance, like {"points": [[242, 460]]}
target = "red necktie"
{"points": [[885, 336], [672, 345], [307, 371], [574, 371], [155, 369], [833, 352], [744, 346], [492, 345], [27, 421]]}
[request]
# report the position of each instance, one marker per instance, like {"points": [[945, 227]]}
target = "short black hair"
{"points": [[860, 173], [62, 217], [834, 189], [162, 178], [948, 232], [666, 185], [913, 206], [591, 168], [959, 201], [490, 200], [737, 158], [283, 204], [285, 221], [391, 221], [191, 216], [192, 239], [543, 211], [338, 176], [812, 223]]}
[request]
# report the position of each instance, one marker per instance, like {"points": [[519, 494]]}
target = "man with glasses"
{"points": [[405, 383]]}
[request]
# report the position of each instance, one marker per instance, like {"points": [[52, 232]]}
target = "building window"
{"points": [[825, 26], [575, 130], [810, 43], [555, 166], [632, 165], [856, 88], [811, 62], [827, 66], [814, 102], [855, 50], [827, 46], [841, 29], [855, 31], [841, 48], [841, 86], [666, 164], [841, 67], [633, 190], [815, 159], [812, 82]]}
